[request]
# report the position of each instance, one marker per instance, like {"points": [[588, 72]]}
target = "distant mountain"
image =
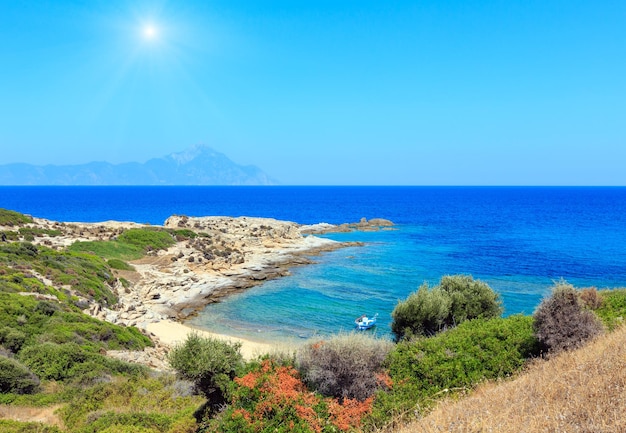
{"points": [[198, 165]]}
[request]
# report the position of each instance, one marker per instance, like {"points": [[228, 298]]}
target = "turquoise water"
{"points": [[517, 239]]}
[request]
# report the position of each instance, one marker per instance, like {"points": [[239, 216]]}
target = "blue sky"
{"points": [[323, 92]]}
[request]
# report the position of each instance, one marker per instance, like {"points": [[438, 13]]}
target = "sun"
{"points": [[149, 31]]}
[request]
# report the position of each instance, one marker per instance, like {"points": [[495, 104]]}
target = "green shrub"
{"points": [[69, 361], [85, 273], [424, 312], [40, 321], [147, 239], [47, 308], [16, 377], [184, 234], [612, 312], [12, 218], [88, 409], [129, 422], [53, 361], [209, 363], [471, 299], [130, 245], [7, 426], [125, 428], [344, 366], [455, 360], [561, 322], [456, 299], [12, 338], [108, 249], [120, 265]]}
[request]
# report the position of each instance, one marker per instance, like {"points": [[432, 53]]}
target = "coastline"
{"points": [[212, 257]]}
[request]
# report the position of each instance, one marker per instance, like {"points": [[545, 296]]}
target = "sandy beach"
{"points": [[172, 333]]}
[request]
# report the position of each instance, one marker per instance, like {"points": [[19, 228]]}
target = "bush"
{"points": [[453, 361], [561, 322], [424, 312], [345, 366], [12, 338], [120, 265], [16, 378], [93, 408], [456, 299], [130, 245], [273, 398], [70, 361], [7, 426], [47, 308], [12, 218], [208, 362], [471, 299], [613, 308], [130, 422], [53, 361], [147, 239]]}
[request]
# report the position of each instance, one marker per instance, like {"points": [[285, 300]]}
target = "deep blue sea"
{"points": [[517, 239]]}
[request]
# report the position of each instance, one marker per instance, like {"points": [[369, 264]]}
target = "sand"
{"points": [[172, 333]]}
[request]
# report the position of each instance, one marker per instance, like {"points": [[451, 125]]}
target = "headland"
{"points": [[211, 257]]}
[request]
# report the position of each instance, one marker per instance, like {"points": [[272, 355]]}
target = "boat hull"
{"points": [[364, 323]]}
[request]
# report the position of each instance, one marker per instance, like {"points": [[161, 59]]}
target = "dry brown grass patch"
{"points": [[578, 391], [44, 415]]}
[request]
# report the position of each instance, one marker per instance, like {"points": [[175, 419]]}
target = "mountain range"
{"points": [[198, 165]]}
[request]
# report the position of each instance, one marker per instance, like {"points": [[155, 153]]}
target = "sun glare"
{"points": [[149, 31]]}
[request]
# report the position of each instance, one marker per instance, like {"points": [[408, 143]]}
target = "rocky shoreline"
{"points": [[225, 255]]}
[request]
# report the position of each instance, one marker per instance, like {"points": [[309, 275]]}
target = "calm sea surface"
{"points": [[517, 239]]}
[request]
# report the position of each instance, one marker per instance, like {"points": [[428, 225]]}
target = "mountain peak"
{"points": [[197, 165], [194, 152]]}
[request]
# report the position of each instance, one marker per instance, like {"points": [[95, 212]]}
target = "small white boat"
{"points": [[363, 323]]}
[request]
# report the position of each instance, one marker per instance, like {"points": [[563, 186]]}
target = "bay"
{"points": [[517, 239]]}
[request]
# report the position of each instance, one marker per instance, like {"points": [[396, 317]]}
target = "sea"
{"points": [[519, 240]]}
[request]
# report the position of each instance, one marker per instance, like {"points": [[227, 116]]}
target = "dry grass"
{"points": [[44, 415], [579, 391]]}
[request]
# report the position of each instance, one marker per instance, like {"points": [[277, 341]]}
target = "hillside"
{"points": [[583, 391], [198, 165]]}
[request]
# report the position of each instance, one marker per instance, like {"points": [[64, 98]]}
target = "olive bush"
{"points": [[209, 363], [456, 299], [16, 377]]}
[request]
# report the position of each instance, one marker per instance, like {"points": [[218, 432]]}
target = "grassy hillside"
{"points": [[583, 390]]}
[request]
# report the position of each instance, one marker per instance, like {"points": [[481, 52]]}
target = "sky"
{"points": [[328, 92]]}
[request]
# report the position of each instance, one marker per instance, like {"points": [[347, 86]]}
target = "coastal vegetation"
{"points": [[580, 390], [347, 366], [454, 300], [131, 244], [562, 322], [452, 345], [209, 363], [11, 218]]}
